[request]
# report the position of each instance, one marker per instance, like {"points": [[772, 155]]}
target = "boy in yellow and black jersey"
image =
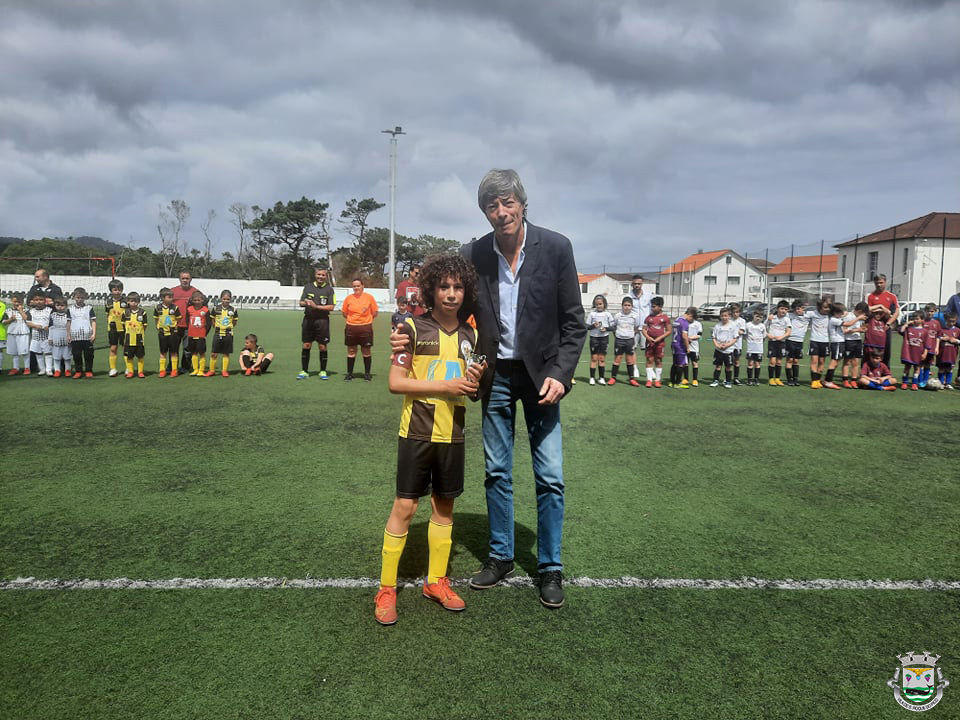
{"points": [[435, 373], [115, 306], [224, 318], [134, 330], [167, 317]]}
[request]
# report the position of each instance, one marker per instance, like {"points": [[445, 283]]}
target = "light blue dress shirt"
{"points": [[509, 286]]}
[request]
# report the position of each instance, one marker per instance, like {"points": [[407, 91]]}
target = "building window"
{"points": [[843, 266], [729, 259], [583, 288], [906, 256], [625, 288], [709, 279], [873, 260], [733, 280]]}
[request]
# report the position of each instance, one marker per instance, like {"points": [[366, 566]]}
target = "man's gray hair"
{"points": [[501, 183]]}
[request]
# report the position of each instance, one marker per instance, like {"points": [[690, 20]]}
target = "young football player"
{"points": [[911, 354], [60, 338], [198, 325], [694, 332], [853, 325], [949, 342], [755, 332], [778, 331], [18, 334], [741, 324], [835, 333], [401, 314], [875, 335], [166, 315], [725, 335], [600, 323], [680, 347], [39, 323], [115, 306], [625, 324], [224, 318], [134, 332], [819, 340], [253, 359], [931, 342], [799, 322], [82, 329], [875, 375], [430, 454], [655, 329]]}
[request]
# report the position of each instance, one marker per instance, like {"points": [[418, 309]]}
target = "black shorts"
{"points": [[361, 335], [794, 349], [624, 346], [693, 356], [222, 344], [853, 349], [314, 330], [736, 353], [776, 349], [425, 467], [755, 357], [722, 358], [115, 337], [136, 351], [819, 349], [169, 343], [836, 350], [197, 345], [598, 345]]}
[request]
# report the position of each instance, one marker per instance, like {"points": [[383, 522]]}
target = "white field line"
{"points": [[276, 583]]}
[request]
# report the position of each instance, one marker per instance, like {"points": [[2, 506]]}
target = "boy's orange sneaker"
{"points": [[385, 606], [225, 373], [914, 386], [56, 373], [441, 592], [173, 373], [903, 386], [26, 371], [657, 384], [633, 381], [208, 373], [140, 375], [88, 374], [649, 383], [162, 373], [15, 371], [128, 375], [249, 371]]}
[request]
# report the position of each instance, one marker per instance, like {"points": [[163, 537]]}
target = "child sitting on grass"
{"points": [[253, 359]]}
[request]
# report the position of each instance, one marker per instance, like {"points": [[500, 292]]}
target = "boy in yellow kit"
{"points": [[167, 316], [116, 305], [134, 330], [435, 374], [224, 317]]}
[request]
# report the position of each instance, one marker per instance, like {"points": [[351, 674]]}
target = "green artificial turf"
{"points": [[270, 476]]}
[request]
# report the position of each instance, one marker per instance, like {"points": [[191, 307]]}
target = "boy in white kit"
{"points": [[799, 322], [59, 338], [18, 334], [694, 333], [756, 331], [819, 341], [626, 323], [39, 323], [741, 325], [83, 333], [835, 330], [725, 335], [853, 323], [778, 331]]}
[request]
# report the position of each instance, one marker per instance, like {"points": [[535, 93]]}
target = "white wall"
{"points": [[921, 280], [678, 294]]}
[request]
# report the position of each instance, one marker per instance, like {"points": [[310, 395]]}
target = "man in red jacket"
{"points": [[181, 298]]}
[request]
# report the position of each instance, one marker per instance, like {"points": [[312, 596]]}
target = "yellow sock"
{"points": [[173, 362], [195, 361], [203, 364], [163, 363], [392, 550], [140, 365], [439, 541], [113, 361], [225, 363], [129, 363]]}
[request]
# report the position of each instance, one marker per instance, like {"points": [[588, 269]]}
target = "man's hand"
{"points": [[550, 392], [399, 342]]}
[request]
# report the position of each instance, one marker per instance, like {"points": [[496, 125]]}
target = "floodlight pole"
{"points": [[392, 263]]}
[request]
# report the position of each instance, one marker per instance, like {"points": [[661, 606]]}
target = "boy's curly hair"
{"points": [[438, 268]]}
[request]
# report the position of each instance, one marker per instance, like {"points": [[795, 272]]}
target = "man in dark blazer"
{"points": [[531, 329]]}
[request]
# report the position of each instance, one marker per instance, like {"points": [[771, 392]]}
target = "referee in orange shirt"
{"points": [[359, 310]]}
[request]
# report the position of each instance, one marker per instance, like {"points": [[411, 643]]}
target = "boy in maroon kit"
{"points": [[949, 341], [875, 375], [931, 342], [912, 352], [655, 329], [875, 335]]}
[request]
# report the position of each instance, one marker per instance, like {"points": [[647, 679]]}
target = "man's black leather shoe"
{"points": [[492, 572], [551, 589]]}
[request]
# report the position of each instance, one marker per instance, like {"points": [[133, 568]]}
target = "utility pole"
{"points": [[392, 263]]}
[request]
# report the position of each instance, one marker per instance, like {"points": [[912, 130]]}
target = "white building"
{"points": [[921, 257], [708, 277]]}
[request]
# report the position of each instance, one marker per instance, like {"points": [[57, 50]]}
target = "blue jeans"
{"points": [[512, 383]]}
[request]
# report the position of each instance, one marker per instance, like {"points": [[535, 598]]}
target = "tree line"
{"points": [[282, 243]]}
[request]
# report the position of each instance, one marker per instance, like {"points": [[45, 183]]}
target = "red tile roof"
{"points": [[582, 278], [926, 226], [806, 264], [694, 262]]}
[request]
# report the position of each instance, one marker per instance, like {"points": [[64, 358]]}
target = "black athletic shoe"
{"points": [[492, 572], [551, 589], [348, 376], [736, 381], [367, 377]]}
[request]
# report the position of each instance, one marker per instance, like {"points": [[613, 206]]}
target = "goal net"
{"points": [[90, 273], [842, 290]]}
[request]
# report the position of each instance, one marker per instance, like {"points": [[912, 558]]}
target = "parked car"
{"points": [[908, 308], [710, 311], [749, 309]]}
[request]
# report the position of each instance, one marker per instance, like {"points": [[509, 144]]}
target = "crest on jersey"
{"points": [[918, 683]]}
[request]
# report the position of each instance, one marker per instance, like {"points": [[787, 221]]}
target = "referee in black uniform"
{"points": [[317, 300]]}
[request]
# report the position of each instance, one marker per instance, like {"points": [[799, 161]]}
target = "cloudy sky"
{"points": [[642, 130]]}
